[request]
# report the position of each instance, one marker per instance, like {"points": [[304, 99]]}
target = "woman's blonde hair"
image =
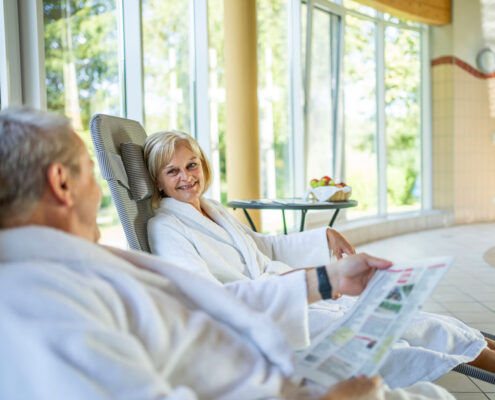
{"points": [[159, 149]]}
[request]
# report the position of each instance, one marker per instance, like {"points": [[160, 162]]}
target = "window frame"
{"points": [[425, 134], [21, 38]]}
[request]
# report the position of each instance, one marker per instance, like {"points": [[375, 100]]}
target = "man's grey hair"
{"points": [[30, 141]]}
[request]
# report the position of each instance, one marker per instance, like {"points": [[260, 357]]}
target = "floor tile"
{"points": [[470, 396], [489, 304], [467, 290], [454, 298], [457, 383], [490, 328], [486, 317], [466, 307], [484, 296], [484, 386], [434, 307]]}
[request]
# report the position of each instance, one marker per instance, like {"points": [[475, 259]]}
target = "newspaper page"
{"points": [[358, 345]]}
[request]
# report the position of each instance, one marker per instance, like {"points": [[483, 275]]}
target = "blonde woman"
{"points": [[201, 235]]}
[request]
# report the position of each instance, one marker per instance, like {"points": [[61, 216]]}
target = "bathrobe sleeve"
{"points": [[170, 243], [299, 249], [284, 299], [58, 318]]}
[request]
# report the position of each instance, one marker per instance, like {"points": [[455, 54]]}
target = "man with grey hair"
{"points": [[81, 321], [39, 150]]}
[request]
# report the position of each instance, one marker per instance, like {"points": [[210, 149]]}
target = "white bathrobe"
{"points": [[77, 322], [226, 250]]}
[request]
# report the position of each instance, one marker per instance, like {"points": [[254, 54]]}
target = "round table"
{"points": [[290, 204]]}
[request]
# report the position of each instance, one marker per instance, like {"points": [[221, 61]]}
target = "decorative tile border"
{"points": [[464, 65]]}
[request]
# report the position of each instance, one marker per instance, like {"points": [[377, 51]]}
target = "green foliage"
{"points": [[91, 48], [81, 53], [166, 62], [272, 42], [402, 109], [82, 36]]}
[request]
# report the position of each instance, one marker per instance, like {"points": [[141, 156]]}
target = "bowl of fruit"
{"points": [[326, 189]]}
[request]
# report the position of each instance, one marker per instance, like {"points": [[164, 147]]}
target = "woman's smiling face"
{"points": [[182, 178]]}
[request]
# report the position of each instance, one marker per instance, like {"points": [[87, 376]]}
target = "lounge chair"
{"points": [[118, 146]]}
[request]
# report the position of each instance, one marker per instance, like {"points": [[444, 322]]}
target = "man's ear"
{"points": [[60, 184]]}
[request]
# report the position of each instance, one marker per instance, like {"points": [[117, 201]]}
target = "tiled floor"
{"points": [[467, 292]]}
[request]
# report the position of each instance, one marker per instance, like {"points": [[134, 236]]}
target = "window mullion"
{"points": [[133, 61], [307, 83], [200, 105], [426, 134], [298, 177], [381, 139], [338, 146]]}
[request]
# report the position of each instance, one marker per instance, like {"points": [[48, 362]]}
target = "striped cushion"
{"points": [[108, 133], [140, 182]]}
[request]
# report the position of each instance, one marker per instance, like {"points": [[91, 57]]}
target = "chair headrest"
{"points": [[140, 183]]}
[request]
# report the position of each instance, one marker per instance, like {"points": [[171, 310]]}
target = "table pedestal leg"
{"points": [[249, 220], [334, 217], [283, 219], [303, 219]]}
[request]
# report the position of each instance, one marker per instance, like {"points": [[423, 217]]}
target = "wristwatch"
{"points": [[324, 286]]}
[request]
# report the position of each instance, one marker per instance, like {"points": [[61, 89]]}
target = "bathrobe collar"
{"points": [[224, 228]]}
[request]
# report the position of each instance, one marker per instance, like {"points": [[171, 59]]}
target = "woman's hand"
{"points": [[350, 275], [360, 388], [338, 244]]}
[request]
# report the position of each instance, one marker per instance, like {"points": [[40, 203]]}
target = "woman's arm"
{"points": [[303, 249]]}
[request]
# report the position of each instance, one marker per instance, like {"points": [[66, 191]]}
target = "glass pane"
{"points": [[81, 58], [396, 20], [353, 5], [273, 103], [166, 65], [360, 115], [320, 118], [216, 97], [402, 108]]}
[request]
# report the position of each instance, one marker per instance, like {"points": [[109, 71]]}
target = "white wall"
{"points": [[472, 29]]}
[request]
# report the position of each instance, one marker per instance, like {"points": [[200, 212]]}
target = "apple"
{"points": [[327, 179], [322, 182], [314, 183]]}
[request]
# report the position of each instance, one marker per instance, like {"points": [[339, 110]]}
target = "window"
{"points": [[360, 114], [273, 104], [403, 110], [383, 127], [216, 95], [166, 60], [321, 77], [82, 75], [342, 98]]}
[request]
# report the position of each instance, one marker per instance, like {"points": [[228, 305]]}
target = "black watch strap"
{"points": [[324, 286]]}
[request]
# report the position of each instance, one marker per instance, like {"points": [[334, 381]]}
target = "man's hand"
{"points": [[338, 244], [360, 388], [350, 275]]}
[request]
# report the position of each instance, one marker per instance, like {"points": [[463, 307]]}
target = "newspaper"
{"points": [[359, 343]]}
